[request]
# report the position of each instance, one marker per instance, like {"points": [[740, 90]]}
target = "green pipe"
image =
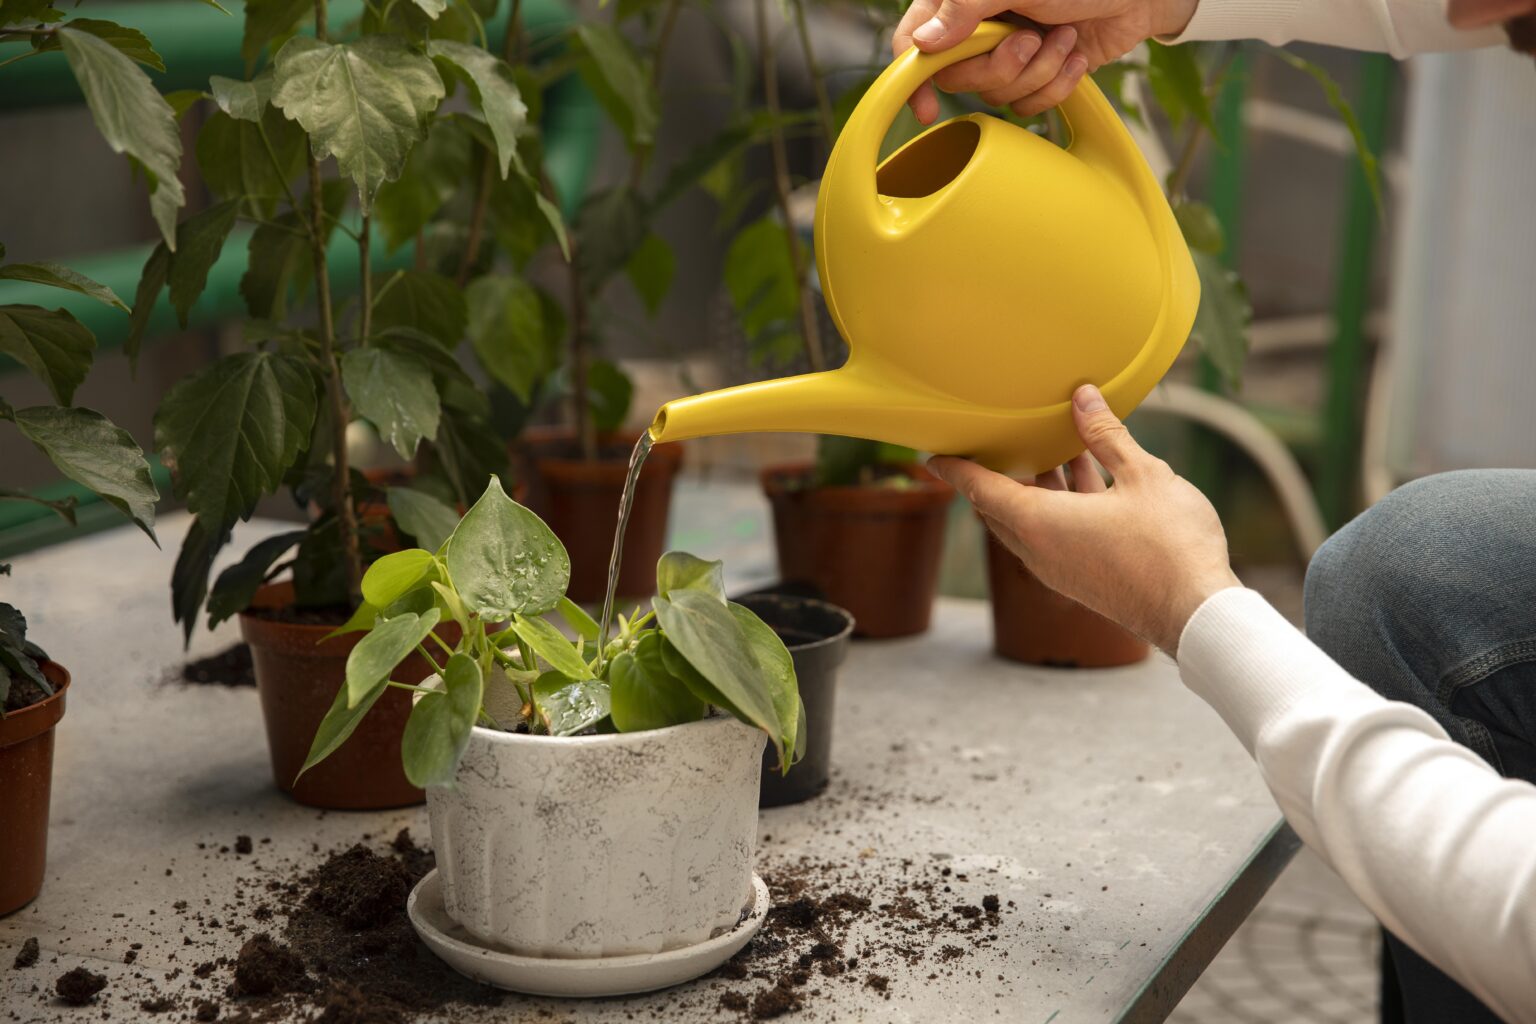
{"points": [[1342, 408], [1226, 196]]}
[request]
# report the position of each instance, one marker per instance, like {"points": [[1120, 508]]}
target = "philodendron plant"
{"points": [[501, 577]]}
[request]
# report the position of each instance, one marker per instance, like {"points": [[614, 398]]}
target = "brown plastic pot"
{"points": [[1034, 624], [580, 502], [298, 674], [873, 550], [26, 783]]}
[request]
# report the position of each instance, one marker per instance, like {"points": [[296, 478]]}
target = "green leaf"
{"points": [[58, 276], [236, 586], [339, 723], [1178, 84], [65, 507], [435, 170], [432, 8], [457, 389], [1200, 226], [387, 645], [468, 451], [395, 393], [644, 695], [422, 516], [1369, 165], [650, 270], [1111, 78], [845, 461], [365, 103], [199, 240], [503, 559], [362, 620], [609, 393], [568, 706], [396, 574], [582, 624], [231, 430], [423, 300], [679, 570], [610, 227], [777, 672], [132, 117], [440, 724], [551, 645], [56, 347], [1221, 322], [761, 279], [189, 579], [151, 282], [269, 20], [25, 12], [183, 100], [90, 450], [711, 637], [515, 329], [614, 73], [279, 263], [488, 80], [239, 165], [130, 42], [244, 101]]}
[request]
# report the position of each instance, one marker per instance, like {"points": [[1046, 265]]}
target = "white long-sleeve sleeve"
{"points": [[1438, 846], [1398, 27]]}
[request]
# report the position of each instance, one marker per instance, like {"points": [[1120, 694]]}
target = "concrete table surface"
{"points": [[1117, 793]]}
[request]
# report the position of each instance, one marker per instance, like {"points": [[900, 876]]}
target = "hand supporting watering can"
{"points": [[1422, 597]]}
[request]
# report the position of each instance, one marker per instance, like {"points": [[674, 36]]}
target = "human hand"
{"points": [[1145, 553], [1026, 72], [1469, 14]]}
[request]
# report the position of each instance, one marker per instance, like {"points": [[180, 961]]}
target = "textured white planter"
{"points": [[599, 846]]}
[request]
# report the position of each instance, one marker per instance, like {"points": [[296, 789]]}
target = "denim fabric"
{"points": [[1430, 598]]}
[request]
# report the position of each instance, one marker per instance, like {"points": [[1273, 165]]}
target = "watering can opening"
{"points": [[929, 162]]}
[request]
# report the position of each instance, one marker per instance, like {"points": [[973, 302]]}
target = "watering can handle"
{"points": [[1099, 136]]}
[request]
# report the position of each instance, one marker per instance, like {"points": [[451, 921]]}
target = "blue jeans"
{"points": [[1429, 597]]}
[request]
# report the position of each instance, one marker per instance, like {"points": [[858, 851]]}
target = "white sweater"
{"points": [[1398, 27], [1431, 839]]}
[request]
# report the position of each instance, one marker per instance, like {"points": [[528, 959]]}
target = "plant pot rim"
{"points": [[35, 719], [280, 595], [930, 490], [849, 623], [603, 740]]}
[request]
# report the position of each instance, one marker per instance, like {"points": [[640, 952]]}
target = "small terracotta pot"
{"points": [[1034, 624], [26, 782], [873, 550], [298, 675], [580, 502]]}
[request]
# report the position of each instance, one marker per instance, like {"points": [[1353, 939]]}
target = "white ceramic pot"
{"points": [[598, 846]]}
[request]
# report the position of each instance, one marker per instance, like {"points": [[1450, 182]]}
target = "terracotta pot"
{"points": [[26, 782], [1034, 624], [580, 502], [298, 675], [816, 634], [873, 550]]}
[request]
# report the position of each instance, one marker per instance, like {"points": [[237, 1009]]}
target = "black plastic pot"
{"points": [[816, 634]]}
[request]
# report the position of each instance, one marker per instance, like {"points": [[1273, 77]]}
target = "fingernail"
{"points": [[1066, 38], [930, 31], [1026, 46], [1088, 399], [1076, 65]]}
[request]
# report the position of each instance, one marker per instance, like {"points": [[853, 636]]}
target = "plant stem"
{"points": [[823, 101], [658, 56], [809, 325], [476, 219], [365, 273], [581, 405], [1179, 176], [341, 483]]}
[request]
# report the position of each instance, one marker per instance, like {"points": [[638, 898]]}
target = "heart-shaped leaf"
{"points": [[339, 723], [387, 645], [389, 578], [440, 724], [679, 570], [503, 559], [568, 706], [644, 694], [551, 645]]}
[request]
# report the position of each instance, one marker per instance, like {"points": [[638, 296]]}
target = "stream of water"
{"points": [[626, 506]]}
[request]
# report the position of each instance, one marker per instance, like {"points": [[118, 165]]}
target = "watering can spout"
{"points": [[831, 402]]}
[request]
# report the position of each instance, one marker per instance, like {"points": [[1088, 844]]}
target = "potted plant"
{"points": [[81, 443], [277, 413], [551, 761]]}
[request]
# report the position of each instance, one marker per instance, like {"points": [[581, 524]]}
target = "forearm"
{"points": [[1427, 835], [1398, 27]]}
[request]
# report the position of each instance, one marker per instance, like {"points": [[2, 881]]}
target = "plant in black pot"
{"points": [[275, 414], [553, 756]]}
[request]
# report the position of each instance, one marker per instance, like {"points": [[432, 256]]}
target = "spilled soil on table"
{"points": [[230, 667]]}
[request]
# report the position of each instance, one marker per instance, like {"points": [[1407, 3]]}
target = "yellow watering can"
{"points": [[979, 275]]}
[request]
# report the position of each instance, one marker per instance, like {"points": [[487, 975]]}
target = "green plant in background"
{"points": [[50, 343], [275, 414], [500, 576]]}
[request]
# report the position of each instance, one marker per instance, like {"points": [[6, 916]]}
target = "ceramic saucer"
{"points": [[559, 976]]}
